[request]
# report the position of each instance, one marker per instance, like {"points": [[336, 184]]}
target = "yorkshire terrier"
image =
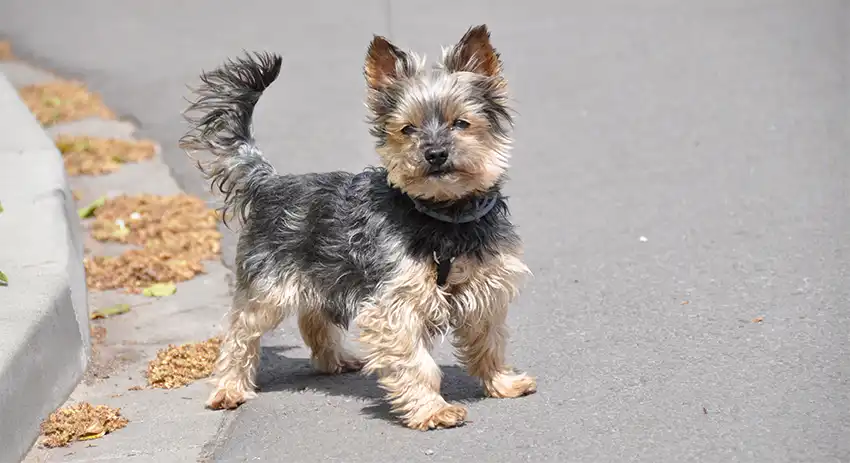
{"points": [[416, 248]]}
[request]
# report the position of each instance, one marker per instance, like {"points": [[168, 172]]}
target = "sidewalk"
{"points": [[164, 425]]}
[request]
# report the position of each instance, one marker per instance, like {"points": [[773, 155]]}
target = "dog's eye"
{"points": [[460, 124], [408, 130]]}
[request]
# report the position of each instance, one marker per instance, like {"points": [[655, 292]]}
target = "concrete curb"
{"points": [[44, 328]]}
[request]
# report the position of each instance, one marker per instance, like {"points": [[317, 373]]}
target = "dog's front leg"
{"points": [[398, 350], [480, 345]]}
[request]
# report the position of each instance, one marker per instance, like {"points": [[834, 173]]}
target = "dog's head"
{"points": [[443, 133]]}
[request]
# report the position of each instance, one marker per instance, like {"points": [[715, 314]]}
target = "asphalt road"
{"points": [[716, 130]]}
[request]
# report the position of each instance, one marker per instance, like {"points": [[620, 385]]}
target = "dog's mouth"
{"points": [[439, 171]]}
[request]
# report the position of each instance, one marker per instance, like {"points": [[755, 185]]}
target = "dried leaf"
{"points": [[177, 366], [177, 233], [88, 211], [63, 101], [110, 311], [136, 269], [98, 334], [82, 421], [93, 435], [758, 319], [4, 280], [179, 224], [160, 290], [84, 155], [122, 231]]}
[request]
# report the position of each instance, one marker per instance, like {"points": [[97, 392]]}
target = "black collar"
{"points": [[457, 213]]}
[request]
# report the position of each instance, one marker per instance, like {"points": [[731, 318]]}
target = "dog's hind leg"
{"points": [[236, 368], [326, 341]]}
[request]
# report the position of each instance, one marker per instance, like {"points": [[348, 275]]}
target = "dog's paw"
{"points": [[338, 364], [510, 385], [350, 364], [447, 416], [227, 399]]}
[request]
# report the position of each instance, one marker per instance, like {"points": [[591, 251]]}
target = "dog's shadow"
{"points": [[281, 373]]}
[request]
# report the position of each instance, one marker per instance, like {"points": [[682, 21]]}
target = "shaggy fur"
{"points": [[338, 247]]}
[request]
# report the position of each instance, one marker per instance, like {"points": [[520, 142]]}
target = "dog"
{"points": [[418, 247]]}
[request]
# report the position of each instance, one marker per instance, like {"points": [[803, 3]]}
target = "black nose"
{"points": [[436, 156]]}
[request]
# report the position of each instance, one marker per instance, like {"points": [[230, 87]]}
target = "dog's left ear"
{"points": [[474, 53], [385, 63]]}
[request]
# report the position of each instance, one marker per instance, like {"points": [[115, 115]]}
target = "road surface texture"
{"points": [[680, 179]]}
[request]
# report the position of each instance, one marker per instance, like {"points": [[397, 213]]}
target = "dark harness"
{"points": [[470, 212]]}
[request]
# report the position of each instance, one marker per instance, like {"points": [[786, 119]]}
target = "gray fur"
{"points": [[222, 126]]}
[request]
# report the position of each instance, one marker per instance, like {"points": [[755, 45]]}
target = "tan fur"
{"points": [[480, 333], [398, 328], [477, 172], [484, 158], [483, 153], [326, 342], [251, 316]]}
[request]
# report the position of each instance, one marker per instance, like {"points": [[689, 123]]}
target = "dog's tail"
{"points": [[220, 122]]}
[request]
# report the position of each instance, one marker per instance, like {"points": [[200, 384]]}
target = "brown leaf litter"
{"points": [[179, 224], [176, 232], [6, 51], [136, 269], [177, 366], [63, 101], [82, 421], [85, 155], [98, 334]]}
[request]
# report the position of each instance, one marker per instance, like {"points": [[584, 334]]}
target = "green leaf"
{"points": [[86, 212], [4, 280], [160, 290], [1, 208], [117, 309]]}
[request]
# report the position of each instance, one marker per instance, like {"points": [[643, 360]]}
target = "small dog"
{"points": [[419, 247]]}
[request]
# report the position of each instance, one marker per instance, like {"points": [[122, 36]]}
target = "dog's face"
{"points": [[443, 133]]}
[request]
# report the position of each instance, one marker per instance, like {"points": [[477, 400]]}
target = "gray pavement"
{"points": [[716, 130]]}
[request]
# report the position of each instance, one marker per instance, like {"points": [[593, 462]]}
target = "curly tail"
{"points": [[222, 125]]}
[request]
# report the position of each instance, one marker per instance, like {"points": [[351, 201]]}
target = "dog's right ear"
{"points": [[385, 63]]}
